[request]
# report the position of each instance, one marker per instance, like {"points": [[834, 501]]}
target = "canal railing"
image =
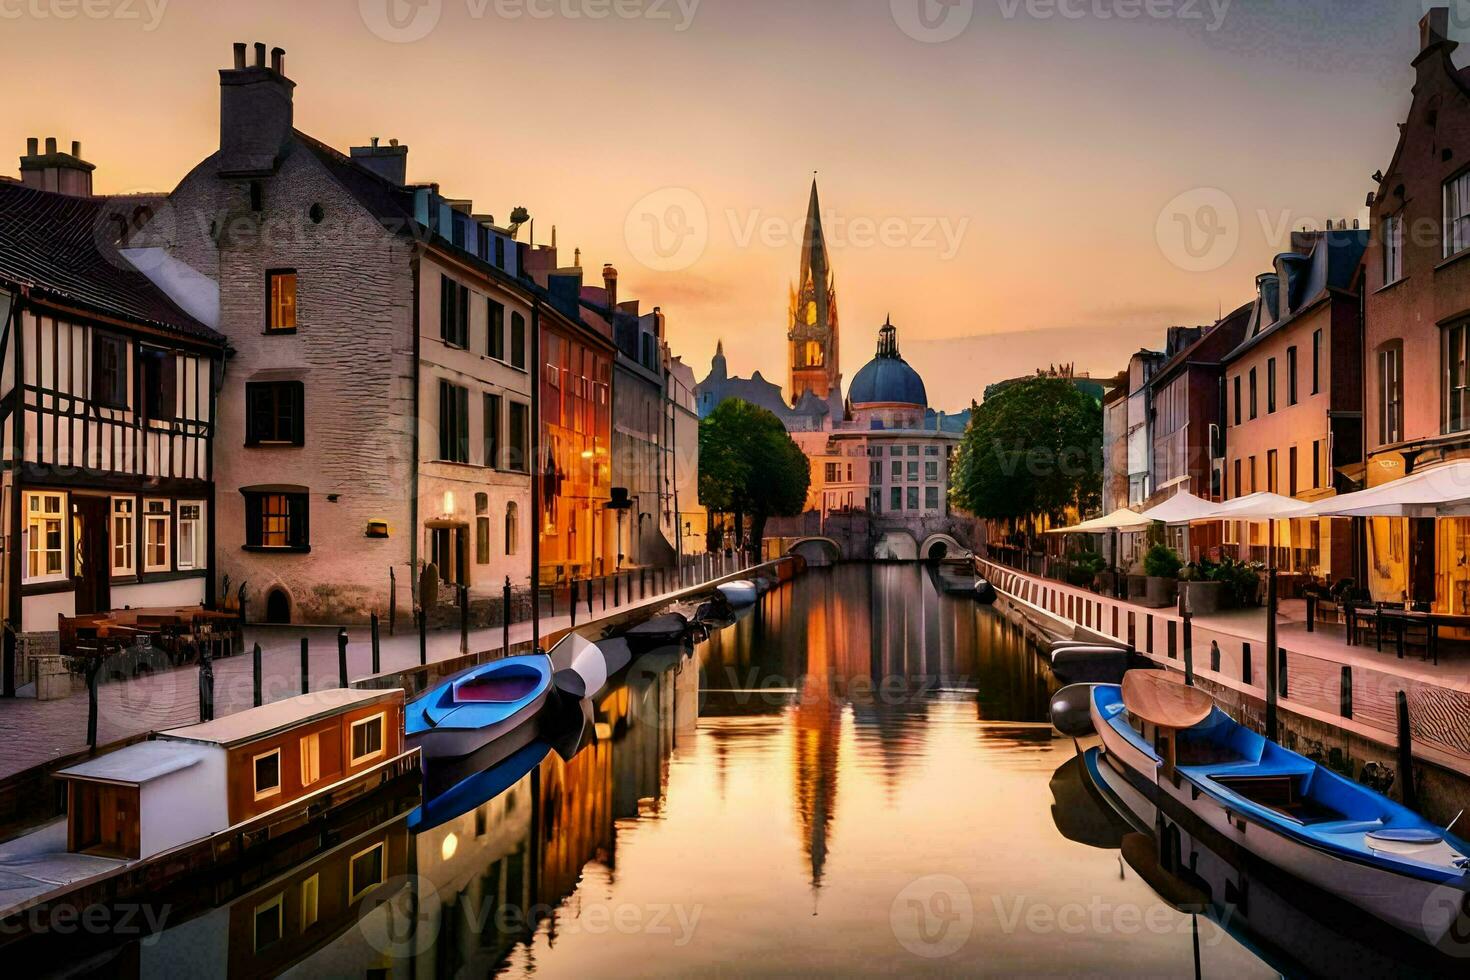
{"points": [[1352, 689]]}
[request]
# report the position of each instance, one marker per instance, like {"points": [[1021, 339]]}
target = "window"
{"points": [[311, 758], [1271, 484], [364, 871], [1291, 463], [1254, 487], [499, 252], [280, 312], [875, 472], [1457, 398], [310, 895], [833, 472], [912, 502], [277, 520], [1317, 464], [275, 413], [482, 541], [495, 329], [520, 456], [123, 542], [931, 450], [931, 470], [45, 544], [491, 427], [109, 370], [454, 312], [512, 528], [517, 341], [1457, 215], [191, 536], [269, 925], [367, 739], [913, 472], [895, 450], [156, 535], [267, 767], [1390, 394], [1253, 393], [1291, 392], [931, 498], [913, 450], [160, 372], [1237, 486], [1270, 385], [1393, 249], [1237, 399], [1316, 362], [897, 473], [454, 423], [895, 499]]}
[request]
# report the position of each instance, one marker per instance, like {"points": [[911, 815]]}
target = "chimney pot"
{"points": [[278, 60], [50, 144], [259, 54], [391, 142], [239, 54], [76, 148], [375, 142], [33, 146]]}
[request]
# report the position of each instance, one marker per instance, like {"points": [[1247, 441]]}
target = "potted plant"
{"points": [[1204, 593], [1161, 565]]}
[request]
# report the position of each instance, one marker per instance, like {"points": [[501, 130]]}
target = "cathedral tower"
{"points": [[812, 330]]}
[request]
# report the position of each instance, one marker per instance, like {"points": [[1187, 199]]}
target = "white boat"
{"points": [[740, 593]]}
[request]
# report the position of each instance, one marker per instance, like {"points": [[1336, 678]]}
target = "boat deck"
{"points": [[38, 862]]}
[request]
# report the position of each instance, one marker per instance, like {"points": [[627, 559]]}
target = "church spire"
{"points": [[812, 327], [816, 264]]}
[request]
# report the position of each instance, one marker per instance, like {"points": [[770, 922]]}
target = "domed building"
{"points": [[887, 391]]}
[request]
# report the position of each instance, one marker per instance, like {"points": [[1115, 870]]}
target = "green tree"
{"points": [[750, 468], [1033, 448]]}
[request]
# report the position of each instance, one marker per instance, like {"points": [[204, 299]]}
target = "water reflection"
{"points": [[855, 777]]}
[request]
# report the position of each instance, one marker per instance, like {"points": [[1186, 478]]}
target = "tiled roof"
{"points": [[62, 248]]}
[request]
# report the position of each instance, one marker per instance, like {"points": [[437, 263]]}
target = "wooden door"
{"points": [[92, 569]]}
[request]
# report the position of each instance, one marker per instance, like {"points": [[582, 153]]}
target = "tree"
{"points": [[1033, 448], [750, 468]]}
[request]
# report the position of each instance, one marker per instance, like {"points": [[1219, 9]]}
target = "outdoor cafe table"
{"points": [[1400, 620]]}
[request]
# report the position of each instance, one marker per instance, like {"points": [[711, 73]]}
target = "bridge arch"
{"points": [[896, 546], [937, 547], [817, 551]]}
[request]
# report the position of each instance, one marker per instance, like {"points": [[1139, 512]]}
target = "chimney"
{"points": [[64, 173], [610, 280], [389, 162], [255, 114], [1434, 28]]}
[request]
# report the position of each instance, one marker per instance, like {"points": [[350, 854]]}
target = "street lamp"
{"points": [[620, 503]]}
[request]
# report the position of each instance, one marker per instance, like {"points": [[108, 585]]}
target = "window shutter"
{"points": [[295, 396], [252, 519], [300, 505], [443, 420], [168, 379], [462, 425]]}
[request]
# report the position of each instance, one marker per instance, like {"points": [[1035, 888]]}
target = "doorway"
{"points": [[450, 553], [91, 567], [278, 608]]}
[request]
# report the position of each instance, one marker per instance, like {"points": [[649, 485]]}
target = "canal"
{"points": [[857, 777]]}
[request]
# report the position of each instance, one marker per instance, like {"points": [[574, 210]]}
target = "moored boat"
{"points": [[1286, 809], [740, 592], [488, 711]]}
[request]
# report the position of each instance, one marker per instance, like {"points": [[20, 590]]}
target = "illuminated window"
{"points": [[267, 768], [512, 530], [191, 536], [280, 300], [276, 520], [123, 542], [310, 895], [45, 542], [311, 758], [365, 871], [367, 739]]}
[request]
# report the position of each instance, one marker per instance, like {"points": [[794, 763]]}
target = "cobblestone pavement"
{"points": [[33, 732]]}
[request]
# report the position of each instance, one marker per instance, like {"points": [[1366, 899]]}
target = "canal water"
{"points": [[857, 777]]}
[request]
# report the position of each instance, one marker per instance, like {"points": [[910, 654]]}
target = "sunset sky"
{"points": [[1005, 194]]}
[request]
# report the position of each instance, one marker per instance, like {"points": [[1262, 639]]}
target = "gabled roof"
{"points": [[62, 247]]}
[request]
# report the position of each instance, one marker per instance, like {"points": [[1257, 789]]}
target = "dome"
{"points": [[887, 378]]}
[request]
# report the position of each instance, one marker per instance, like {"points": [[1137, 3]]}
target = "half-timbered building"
{"points": [[107, 394]]}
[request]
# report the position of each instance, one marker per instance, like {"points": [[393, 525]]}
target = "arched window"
{"points": [[512, 529]]}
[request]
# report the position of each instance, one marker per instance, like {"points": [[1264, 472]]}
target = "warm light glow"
{"points": [[450, 845], [449, 501]]}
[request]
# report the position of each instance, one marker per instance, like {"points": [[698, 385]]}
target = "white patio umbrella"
{"points": [[1443, 491], [1121, 520], [1180, 509]]}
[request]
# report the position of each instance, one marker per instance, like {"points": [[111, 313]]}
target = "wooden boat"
{"points": [[658, 633], [1284, 808], [488, 711]]}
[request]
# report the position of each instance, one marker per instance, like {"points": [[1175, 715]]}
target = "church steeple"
{"points": [[812, 326]]}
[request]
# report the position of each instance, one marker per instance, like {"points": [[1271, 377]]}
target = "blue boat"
{"points": [[1297, 815], [488, 712]]}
